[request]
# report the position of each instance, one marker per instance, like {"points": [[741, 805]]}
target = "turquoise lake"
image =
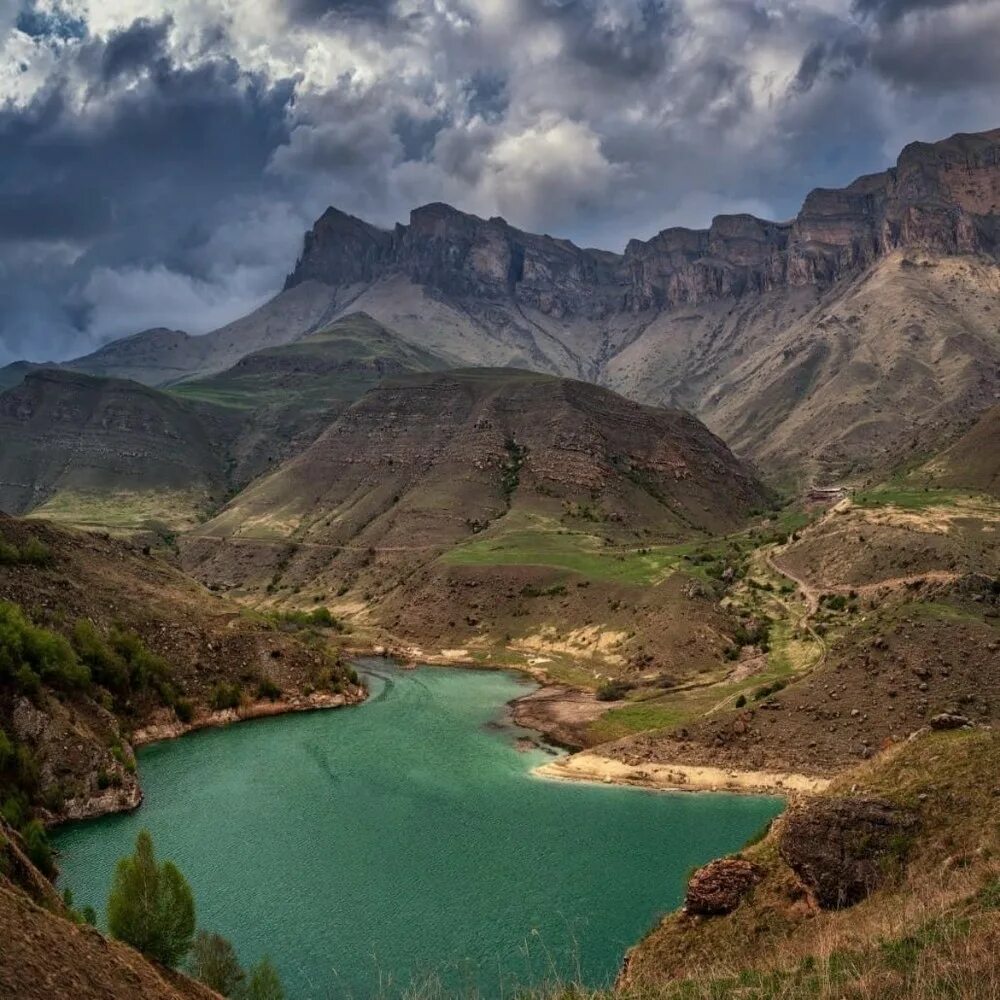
{"points": [[369, 848]]}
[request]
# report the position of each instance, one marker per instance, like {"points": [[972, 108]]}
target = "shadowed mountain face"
{"points": [[838, 342], [75, 445], [973, 461], [283, 397], [115, 453]]}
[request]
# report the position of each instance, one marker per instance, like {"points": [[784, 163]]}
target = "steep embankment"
{"points": [[455, 510], [147, 646], [47, 954], [885, 886]]}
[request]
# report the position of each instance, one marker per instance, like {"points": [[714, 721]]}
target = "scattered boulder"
{"points": [[950, 720], [842, 849], [719, 886]]}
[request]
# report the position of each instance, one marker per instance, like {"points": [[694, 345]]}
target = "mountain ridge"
{"points": [[883, 290], [916, 203]]}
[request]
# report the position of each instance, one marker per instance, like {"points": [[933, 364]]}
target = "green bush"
{"points": [[768, 689], [741, 701], [319, 618], [37, 847], [264, 983], [225, 696], [34, 552], [268, 689], [30, 654], [150, 905], [123, 663], [213, 962], [613, 690]]}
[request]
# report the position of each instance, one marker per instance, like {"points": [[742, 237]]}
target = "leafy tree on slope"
{"points": [[264, 983], [150, 906], [213, 962]]}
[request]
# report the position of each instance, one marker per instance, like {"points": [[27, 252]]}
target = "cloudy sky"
{"points": [[160, 159]]}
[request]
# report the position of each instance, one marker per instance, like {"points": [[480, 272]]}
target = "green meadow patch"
{"points": [[533, 543], [907, 498]]}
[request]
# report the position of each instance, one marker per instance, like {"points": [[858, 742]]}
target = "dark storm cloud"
{"points": [[486, 95], [133, 49], [147, 181], [418, 135], [162, 173], [888, 11], [620, 40], [946, 45], [837, 59]]}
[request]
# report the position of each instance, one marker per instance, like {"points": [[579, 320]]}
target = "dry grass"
{"points": [[932, 931]]}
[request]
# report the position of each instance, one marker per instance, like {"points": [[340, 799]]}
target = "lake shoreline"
{"points": [[594, 768], [129, 797], [318, 701]]}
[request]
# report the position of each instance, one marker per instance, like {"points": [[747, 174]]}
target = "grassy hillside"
{"points": [[493, 515], [283, 397], [48, 952], [928, 929]]}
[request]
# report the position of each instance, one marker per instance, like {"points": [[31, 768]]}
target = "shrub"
{"points": [[37, 847], [613, 690], [225, 696], [213, 962], [318, 617], [767, 690], [33, 553], [36, 553], [184, 710], [27, 650], [264, 983], [123, 663], [268, 689], [150, 905], [741, 701]]}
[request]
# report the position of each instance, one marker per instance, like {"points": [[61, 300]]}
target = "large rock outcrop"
{"points": [[842, 849], [720, 886]]}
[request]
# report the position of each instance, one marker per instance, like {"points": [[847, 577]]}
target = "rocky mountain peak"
{"points": [[942, 196]]}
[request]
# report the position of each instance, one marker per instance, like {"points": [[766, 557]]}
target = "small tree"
{"points": [[213, 962], [264, 982], [150, 906]]}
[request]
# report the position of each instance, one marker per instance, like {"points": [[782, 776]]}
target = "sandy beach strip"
{"points": [[588, 766]]}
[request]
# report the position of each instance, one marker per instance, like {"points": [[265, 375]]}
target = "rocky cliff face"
{"points": [[942, 197]]}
